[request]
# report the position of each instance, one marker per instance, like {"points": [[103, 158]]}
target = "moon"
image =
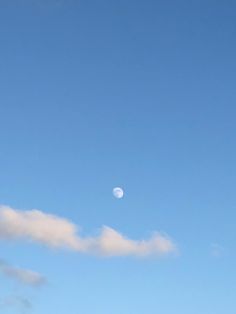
{"points": [[118, 192]]}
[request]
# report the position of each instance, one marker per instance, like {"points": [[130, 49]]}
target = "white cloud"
{"points": [[21, 275], [57, 232], [112, 243], [37, 226]]}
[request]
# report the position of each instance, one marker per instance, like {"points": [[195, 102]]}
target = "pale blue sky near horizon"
{"points": [[137, 94]]}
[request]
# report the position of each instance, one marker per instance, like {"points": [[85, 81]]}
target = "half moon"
{"points": [[118, 192]]}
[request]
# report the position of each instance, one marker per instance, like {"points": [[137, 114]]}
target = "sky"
{"points": [[100, 94]]}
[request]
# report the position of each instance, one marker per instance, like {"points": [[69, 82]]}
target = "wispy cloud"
{"points": [[25, 276], [57, 232], [20, 303], [217, 250]]}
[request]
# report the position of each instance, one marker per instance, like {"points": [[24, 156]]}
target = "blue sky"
{"points": [[137, 94]]}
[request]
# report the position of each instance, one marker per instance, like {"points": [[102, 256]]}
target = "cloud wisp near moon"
{"points": [[56, 232]]}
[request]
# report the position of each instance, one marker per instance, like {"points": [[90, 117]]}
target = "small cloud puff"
{"points": [[57, 232], [217, 250]]}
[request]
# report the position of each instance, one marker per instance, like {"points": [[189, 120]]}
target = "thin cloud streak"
{"points": [[25, 276], [57, 232]]}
